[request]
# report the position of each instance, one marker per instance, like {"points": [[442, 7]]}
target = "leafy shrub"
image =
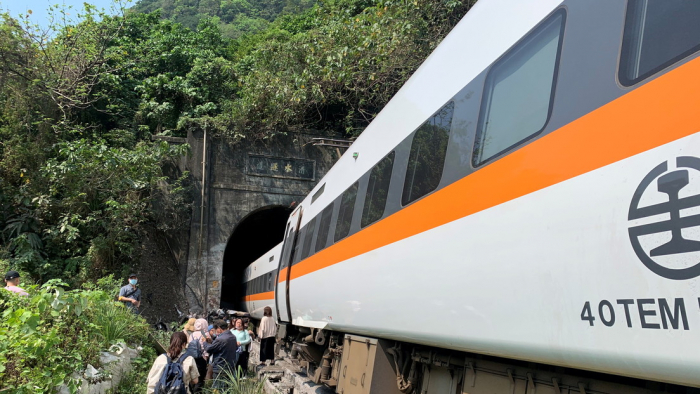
{"points": [[235, 385], [54, 332]]}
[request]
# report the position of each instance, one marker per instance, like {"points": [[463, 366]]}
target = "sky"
{"points": [[39, 8]]}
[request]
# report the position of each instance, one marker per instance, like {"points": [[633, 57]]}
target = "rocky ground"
{"points": [[285, 376]]}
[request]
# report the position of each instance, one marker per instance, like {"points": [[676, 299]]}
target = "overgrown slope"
{"points": [[235, 17], [78, 170]]}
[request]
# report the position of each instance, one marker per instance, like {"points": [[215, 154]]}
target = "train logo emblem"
{"points": [[669, 251]]}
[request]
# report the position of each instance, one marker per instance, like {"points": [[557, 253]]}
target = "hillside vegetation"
{"points": [[79, 173], [235, 17], [48, 339]]}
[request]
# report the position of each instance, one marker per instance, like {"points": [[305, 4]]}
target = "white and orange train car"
{"points": [[523, 216]]}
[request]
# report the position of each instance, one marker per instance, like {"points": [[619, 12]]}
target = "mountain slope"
{"points": [[236, 17]]}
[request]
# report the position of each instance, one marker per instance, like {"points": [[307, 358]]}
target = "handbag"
{"points": [[210, 372]]}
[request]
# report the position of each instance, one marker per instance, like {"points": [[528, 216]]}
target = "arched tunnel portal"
{"points": [[257, 233]]}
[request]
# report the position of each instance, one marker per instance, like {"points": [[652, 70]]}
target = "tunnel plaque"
{"points": [[281, 167]]}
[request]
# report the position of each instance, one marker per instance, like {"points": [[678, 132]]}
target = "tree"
{"points": [[334, 67], [78, 178]]}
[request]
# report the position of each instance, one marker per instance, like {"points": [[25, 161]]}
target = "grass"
{"points": [[114, 322], [239, 386]]}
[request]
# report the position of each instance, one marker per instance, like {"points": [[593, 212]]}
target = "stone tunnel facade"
{"points": [[244, 194]]}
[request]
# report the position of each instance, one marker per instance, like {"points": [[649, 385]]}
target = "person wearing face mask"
{"points": [[222, 353], [130, 295]]}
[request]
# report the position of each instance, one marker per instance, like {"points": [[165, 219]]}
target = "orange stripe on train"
{"points": [[269, 295], [654, 114]]}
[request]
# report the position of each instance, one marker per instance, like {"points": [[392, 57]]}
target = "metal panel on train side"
{"points": [[514, 280], [366, 367]]}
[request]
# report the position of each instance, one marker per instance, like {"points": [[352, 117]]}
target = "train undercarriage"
{"points": [[355, 364]]}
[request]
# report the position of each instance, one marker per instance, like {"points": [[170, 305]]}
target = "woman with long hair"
{"points": [[267, 332], [200, 336], [176, 353]]}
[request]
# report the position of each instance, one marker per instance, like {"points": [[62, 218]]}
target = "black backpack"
{"points": [[172, 380]]}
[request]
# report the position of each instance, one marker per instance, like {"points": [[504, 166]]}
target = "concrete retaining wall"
{"points": [[116, 364]]}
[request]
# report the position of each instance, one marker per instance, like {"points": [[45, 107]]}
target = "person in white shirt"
{"points": [[267, 332], [178, 344]]}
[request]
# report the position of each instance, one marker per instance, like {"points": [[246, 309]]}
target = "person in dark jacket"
{"points": [[223, 353]]}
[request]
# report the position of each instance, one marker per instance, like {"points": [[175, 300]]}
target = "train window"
{"points": [[519, 91], [296, 252], [347, 206], [427, 157], [310, 227], [318, 193], [377, 190], [657, 34], [324, 226]]}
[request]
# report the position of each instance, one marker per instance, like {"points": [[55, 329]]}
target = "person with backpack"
{"points": [[174, 371], [195, 348], [130, 295]]}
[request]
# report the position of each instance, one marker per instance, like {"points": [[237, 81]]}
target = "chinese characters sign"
{"points": [[282, 167]]}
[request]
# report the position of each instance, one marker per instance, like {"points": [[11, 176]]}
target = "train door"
{"points": [[284, 312]]}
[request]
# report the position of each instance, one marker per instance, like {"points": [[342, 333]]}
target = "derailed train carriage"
{"points": [[521, 217]]}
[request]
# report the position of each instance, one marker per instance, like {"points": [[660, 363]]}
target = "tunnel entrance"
{"points": [[257, 233]]}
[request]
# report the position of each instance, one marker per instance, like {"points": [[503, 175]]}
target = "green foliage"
{"points": [[235, 385], [235, 17], [334, 67], [54, 332], [78, 172], [86, 208]]}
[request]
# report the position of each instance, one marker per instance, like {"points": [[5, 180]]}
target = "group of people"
{"points": [[218, 352], [214, 352]]}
